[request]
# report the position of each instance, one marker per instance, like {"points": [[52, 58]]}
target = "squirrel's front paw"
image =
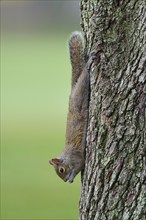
{"points": [[70, 177]]}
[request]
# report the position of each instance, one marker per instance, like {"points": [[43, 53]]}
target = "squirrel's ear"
{"points": [[54, 161]]}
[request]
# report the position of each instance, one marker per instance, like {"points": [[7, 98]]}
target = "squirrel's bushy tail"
{"points": [[76, 49]]}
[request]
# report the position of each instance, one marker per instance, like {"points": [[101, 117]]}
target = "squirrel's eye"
{"points": [[61, 170]]}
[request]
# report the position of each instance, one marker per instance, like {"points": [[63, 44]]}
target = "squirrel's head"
{"points": [[61, 169]]}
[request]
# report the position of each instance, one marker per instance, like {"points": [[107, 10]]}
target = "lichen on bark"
{"points": [[113, 179]]}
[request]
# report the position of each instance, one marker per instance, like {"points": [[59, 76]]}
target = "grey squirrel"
{"points": [[71, 160]]}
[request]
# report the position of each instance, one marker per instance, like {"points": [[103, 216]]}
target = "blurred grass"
{"points": [[35, 87]]}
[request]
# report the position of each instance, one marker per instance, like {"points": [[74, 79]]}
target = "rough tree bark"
{"points": [[113, 179]]}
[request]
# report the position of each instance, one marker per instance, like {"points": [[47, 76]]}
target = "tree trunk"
{"points": [[113, 179]]}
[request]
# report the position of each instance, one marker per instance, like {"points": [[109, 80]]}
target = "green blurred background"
{"points": [[35, 88]]}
